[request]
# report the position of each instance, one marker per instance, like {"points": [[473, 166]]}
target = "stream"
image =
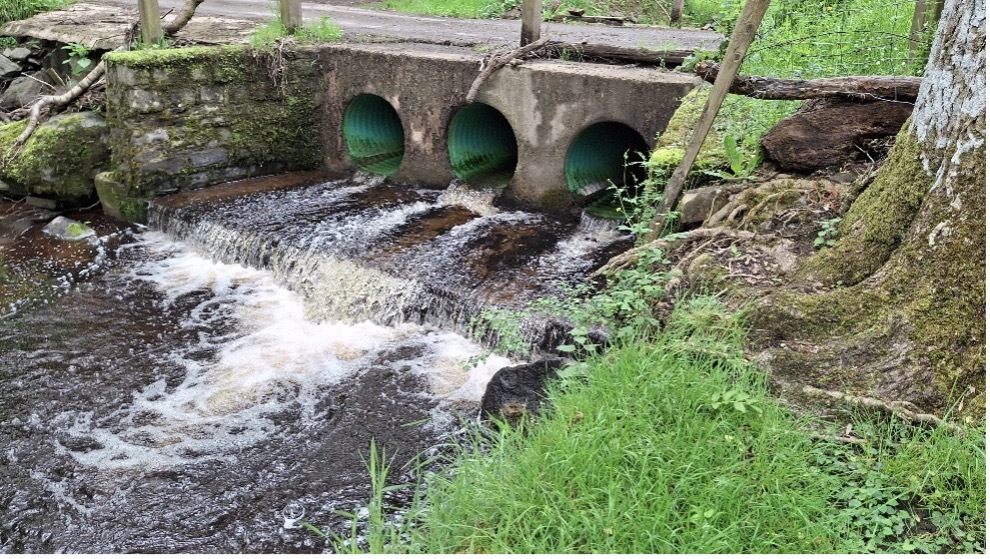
{"points": [[174, 388]]}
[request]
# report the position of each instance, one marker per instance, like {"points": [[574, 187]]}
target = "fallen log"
{"points": [[861, 88], [673, 57]]}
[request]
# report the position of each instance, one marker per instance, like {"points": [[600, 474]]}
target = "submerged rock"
{"points": [[68, 229]]}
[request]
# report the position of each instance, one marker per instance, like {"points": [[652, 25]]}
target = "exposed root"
{"points": [[899, 408], [669, 243], [183, 18]]}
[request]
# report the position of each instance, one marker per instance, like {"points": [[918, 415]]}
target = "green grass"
{"points": [[322, 31], [675, 446], [12, 10], [445, 8]]}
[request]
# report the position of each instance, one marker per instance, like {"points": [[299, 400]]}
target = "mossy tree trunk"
{"points": [[897, 307]]}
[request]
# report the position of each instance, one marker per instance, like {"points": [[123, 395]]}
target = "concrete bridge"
{"points": [[551, 132]]}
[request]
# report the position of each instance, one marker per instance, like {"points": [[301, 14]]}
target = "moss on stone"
{"points": [[61, 158], [185, 118], [680, 129]]}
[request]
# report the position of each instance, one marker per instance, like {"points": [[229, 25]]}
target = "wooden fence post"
{"points": [[924, 19], [532, 16], [291, 11], [743, 34], [150, 15], [676, 11]]}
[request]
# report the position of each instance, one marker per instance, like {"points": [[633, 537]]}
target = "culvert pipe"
{"points": [[373, 133], [602, 158], [482, 146]]}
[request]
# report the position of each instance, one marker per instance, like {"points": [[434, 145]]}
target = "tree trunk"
{"points": [[898, 304]]}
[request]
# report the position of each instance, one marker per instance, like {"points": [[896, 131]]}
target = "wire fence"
{"points": [[825, 38]]}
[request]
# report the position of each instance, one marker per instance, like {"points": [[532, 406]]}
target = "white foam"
{"points": [[265, 356]]}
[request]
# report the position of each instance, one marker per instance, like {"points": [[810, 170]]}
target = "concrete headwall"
{"points": [[185, 118], [547, 103]]}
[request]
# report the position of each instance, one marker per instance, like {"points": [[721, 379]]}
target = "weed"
{"points": [[8, 42], [268, 34], [78, 58], [827, 233], [12, 10]]}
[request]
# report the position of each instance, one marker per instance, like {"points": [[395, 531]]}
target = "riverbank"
{"points": [[677, 446]]}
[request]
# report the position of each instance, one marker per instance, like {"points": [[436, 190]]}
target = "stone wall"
{"points": [[184, 118]]}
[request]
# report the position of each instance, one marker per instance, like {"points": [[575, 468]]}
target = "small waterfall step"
{"points": [[360, 248]]}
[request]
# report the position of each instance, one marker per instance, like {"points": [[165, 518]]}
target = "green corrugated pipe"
{"points": [[482, 146], [602, 155], [374, 136]]}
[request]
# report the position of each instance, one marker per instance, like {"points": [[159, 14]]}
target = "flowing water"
{"points": [[174, 389]]}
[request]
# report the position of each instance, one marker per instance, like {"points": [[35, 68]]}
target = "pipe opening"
{"points": [[482, 146], [373, 133], [604, 160]]}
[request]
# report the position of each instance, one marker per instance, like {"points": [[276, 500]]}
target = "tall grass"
{"points": [[13, 10], [669, 447], [676, 446]]}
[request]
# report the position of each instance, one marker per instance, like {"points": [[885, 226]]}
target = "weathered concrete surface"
{"points": [[547, 103], [104, 24]]}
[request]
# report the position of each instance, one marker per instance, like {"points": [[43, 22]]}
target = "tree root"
{"points": [[496, 62], [669, 243], [899, 408]]}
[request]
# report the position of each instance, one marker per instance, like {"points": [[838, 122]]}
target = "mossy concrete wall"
{"points": [[184, 118]]}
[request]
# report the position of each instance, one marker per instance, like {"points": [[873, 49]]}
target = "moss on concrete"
{"points": [[61, 158], [186, 118], [678, 133]]}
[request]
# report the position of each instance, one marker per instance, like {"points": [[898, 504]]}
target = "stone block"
{"points": [[8, 68], [23, 90], [19, 54], [144, 101], [698, 205], [153, 136], [209, 157], [171, 165]]}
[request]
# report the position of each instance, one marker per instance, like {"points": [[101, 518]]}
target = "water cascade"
{"points": [[236, 359]]}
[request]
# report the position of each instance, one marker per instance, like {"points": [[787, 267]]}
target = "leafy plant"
{"points": [[736, 399], [827, 233], [78, 58]]}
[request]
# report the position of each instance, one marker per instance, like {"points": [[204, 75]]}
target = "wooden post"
{"points": [[150, 15], [923, 20], [291, 11], [742, 36], [676, 11], [532, 16]]}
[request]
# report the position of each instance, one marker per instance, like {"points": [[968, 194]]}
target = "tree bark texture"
{"points": [[860, 88], [898, 304]]}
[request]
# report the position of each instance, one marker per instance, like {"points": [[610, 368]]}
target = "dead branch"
{"points": [[898, 408], [669, 243], [58, 101], [498, 61], [183, 18], [860, 88]]}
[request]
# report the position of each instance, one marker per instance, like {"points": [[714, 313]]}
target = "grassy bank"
{"points": [[12, 10], [675, 446]]}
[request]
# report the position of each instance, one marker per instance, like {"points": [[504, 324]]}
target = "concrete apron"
{"points": [[547, 104]]}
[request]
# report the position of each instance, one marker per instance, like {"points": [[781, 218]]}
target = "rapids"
{"points": [[174, 389]]}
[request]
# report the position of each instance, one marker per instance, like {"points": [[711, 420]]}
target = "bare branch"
{"points": [[183, 18]]}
